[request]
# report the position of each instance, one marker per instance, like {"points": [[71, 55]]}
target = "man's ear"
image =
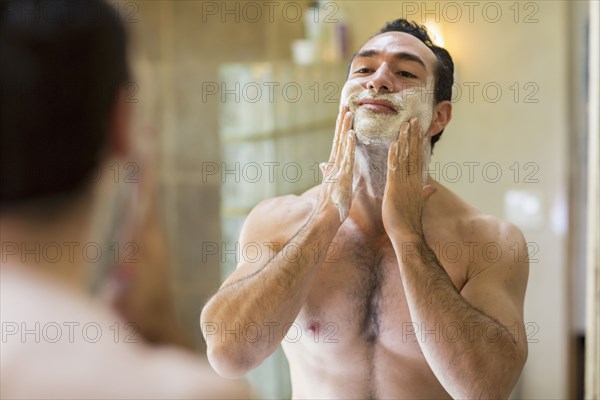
{"points": [[118, 134], [442, 114]]}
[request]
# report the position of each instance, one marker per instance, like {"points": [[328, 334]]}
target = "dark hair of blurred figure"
{"points": [[63, 62]]}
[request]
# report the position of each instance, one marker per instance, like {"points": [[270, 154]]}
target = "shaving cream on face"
{"points": [[373, 127]]}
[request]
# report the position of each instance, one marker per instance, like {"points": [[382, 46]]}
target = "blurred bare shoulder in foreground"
{"points": [[59, 343]]}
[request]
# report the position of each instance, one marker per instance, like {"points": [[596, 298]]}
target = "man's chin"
{"points": [[377, 128], [375, 139]]}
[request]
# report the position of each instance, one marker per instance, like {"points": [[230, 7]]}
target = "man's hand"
{"points": [[405, 195], [338, 172]]}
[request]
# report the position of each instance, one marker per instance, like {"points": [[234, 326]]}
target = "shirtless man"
{"points": [[352, 270]]}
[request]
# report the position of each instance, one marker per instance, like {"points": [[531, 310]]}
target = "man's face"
{"points": [[391, 80]]}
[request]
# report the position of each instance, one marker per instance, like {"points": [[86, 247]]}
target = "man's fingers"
{"points": [[403, 140], [349, 159], [346, 125], [340, 151], [409, 148], [393, 160], [323, 167], [338, 132], [348, 118], [345, 150], [417, 140], [334, 144], [329, 171]]}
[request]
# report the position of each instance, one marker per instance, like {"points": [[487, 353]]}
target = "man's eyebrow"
{"points": [[402, 55]]}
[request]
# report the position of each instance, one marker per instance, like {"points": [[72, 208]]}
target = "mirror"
{"points": [[219, 82]]}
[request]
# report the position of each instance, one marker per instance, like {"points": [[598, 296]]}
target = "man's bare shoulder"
{"points": [[289, 207], [279, 218], [471, 224], [476, 226], [499, 246], [494, 253], [492, 238]]}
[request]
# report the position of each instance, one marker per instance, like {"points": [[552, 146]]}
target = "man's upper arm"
{"points": [[497, 285], [267, 229]]}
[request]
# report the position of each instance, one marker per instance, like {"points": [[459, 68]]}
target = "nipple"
{"points": [[313, 327]]}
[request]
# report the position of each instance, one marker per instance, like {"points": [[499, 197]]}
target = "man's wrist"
{"points": [[408, 244], [326, 220], [405, 235]]}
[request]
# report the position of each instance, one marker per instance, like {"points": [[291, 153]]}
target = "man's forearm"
{"points": [[249, 318], [470, 362]]}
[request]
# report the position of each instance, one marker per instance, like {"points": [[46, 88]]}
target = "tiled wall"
{"points": [[272, 146], [175, 52], [273, 136]]}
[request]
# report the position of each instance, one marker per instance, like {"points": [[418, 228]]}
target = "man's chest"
{"points": [[358, 297]]}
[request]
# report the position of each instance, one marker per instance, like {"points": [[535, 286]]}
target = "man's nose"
{"points": [[381, 81]]}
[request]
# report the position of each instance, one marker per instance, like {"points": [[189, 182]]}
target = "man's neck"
{"points": [[370, 171], [370, 174], [52, 249]]}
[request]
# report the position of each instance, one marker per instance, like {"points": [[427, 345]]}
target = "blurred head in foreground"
{"points": [[63, 66]]}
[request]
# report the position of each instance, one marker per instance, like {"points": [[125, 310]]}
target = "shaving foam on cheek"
{"points": [[373, 127]]}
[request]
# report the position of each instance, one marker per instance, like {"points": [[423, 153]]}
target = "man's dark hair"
{"points": [[444, 69], [63, 63]]}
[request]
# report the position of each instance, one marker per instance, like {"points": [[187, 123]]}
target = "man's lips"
{"points": [[383, 106]]}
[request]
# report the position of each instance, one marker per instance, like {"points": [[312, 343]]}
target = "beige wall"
{"points": [[510, 131]]}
